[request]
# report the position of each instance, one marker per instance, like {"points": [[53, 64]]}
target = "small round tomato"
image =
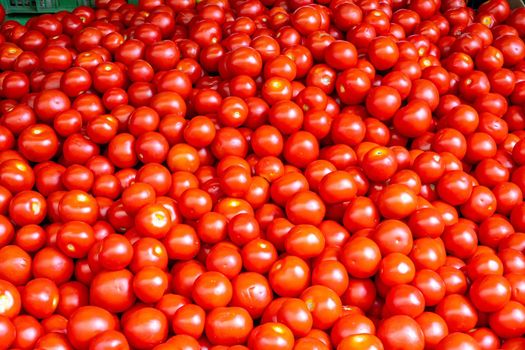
{"points": [[361, 257], [271, 335], [400, 329], [228, 325], [86, 323], [145, 327]]}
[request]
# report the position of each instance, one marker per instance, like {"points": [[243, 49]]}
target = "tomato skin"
{"points": [[478, 293], [397, 202], [145, 328], [50, 103], [504, 326], [383, 95], [434, 328], [271, 335], [351, 325], [71, 296], [348, 128], [40, 297], [454, 305], [414, 119], [383, 53], [118, 284], [379, 157], [28, 331], [10, 292], [228, 325], [405, 300], [324, 304], [352, 79], [361, 257], [457, 339], [486, 338], [86, 323], [48, 257], [396, 330], [15, 265], [476, 211], [109, 338], [8, 331], [284, 269], [331, 274], [366, 217]]}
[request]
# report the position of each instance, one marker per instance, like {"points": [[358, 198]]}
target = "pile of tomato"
{"points": [[263, 174]]}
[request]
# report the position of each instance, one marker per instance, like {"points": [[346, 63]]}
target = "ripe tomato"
{"points": [[263, 174]]}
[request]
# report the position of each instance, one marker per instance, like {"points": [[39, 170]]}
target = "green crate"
{"points": [[42, 6]]}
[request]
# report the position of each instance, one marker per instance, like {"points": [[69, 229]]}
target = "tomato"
{"points": [[27, 207], [16, 176], [40, 297], [397, 202], [12, 299], [118, 284], [414, 119], [49, 257], [324, 304], [7, 333], [380, 96], [379, 157], [361, 213], [361, 341], [212, 284], [72, 295], [271, 335], [395, 331], [86, 323], [189, 319], [145, 328], [294, 313], [396, 268], [480, 205], [16, 265], [283, 270], [28, 331], [383, 53], [351, 325], [505, 326], [452, 308], [109, 338], [78, 205], [228, 325], [332, 275], [405, 300], [75, 238], [434, 328], [457, 340], [150, 283], [361, 257], [348, 128], [352, 86], [305, 208]]}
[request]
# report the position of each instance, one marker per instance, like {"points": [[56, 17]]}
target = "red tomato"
{"points": [[263, 174]]}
